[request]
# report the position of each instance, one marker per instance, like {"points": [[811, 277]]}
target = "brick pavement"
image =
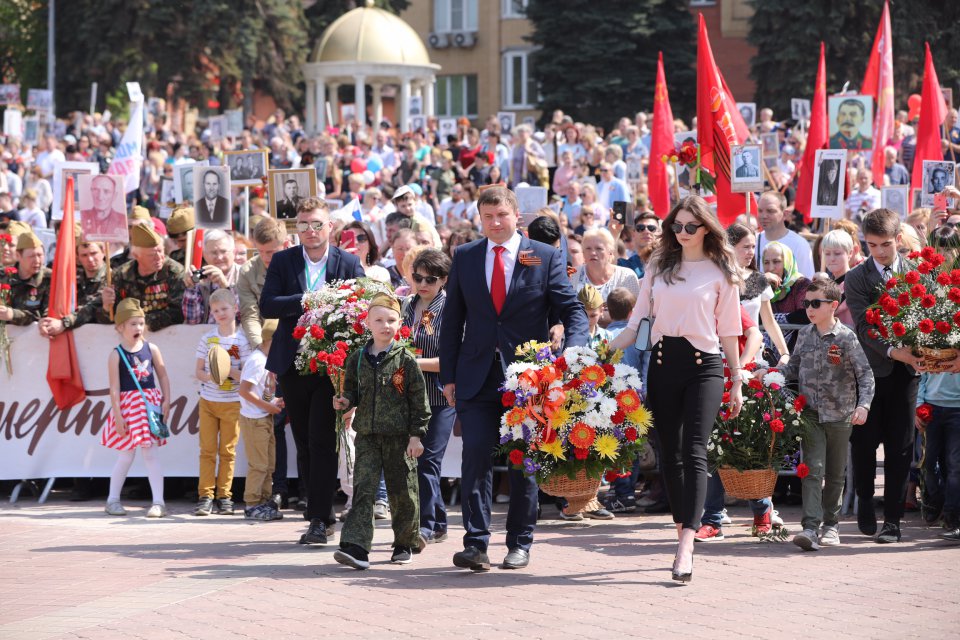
{"points": [[69, 571]]}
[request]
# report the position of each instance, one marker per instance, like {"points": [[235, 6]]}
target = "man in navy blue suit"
{"points": [[309, 399], [503, 291]]}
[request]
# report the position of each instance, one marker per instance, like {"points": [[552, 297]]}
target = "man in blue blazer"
{"points": [[503, 291], [309, 399]]}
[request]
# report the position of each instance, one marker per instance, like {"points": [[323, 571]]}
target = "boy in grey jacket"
{"points": [[385, 384], [837, 380]]}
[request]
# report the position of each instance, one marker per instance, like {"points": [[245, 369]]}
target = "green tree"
{"points": [[787, 35], [23, 44], [598, 60]]}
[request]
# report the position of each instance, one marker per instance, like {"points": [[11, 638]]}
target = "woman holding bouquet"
{"points": [[691, 297]]}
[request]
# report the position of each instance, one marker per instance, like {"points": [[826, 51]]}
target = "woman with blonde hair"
{"points": [[600, 269]]}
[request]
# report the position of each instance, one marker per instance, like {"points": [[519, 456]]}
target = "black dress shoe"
{"points": [[316, 534], [682, 576], [471, 558], [889, 533], [952, 536], [866, 517], [516, 559]]}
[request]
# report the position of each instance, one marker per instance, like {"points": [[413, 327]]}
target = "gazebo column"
{"points": [[311, 106], [320, 100], [428, 98], [360, 101], [335, 102], [404, 106], [377, 105]]}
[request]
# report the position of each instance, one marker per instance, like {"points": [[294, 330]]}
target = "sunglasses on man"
{"points": [[303, 227], [815, 303], [691, 227], [652, 228]]}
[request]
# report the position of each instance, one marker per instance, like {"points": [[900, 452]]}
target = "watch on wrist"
{"points": [[67, 321]]}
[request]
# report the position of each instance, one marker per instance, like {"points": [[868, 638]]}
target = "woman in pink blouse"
{"points": [[692, 285]]}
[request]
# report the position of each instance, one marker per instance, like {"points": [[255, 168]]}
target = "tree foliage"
{"points": [[787, 35], [598, 60], [23, 44]]}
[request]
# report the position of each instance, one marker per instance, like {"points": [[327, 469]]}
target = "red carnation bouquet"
{"points": [[688, 154], [920, 309]]}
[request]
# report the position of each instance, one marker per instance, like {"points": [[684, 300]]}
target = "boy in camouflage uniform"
{"points": [[29, 283], [837, 380], [386, 385]]}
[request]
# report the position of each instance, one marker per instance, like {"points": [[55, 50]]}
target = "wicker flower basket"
{"points": [[578, 491], [935, 359], [752, 484]]}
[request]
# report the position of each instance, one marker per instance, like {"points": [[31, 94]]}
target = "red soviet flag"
{"points": [[63, 367], [933, 110], [816, 139], [878, 82], [719, 126], [661, 144]]}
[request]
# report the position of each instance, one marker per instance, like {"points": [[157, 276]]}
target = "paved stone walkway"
{"points": [[69, 571]]}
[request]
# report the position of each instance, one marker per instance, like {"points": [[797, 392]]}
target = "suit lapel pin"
{"points": [[528, 259]]}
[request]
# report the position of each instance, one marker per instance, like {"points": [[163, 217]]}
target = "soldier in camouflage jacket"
{"points": [[28, 282]]}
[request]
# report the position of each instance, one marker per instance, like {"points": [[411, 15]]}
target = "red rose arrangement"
{"points": [[925, 412]]}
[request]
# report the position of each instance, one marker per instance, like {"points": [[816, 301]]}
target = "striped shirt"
{"points": [[425, 334], [238, 348]]}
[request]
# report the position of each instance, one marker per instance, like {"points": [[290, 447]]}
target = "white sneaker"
{"points": [[157, 511], [724, 518], [775, 519], [115, 509], [807, 540], [830, 536]]}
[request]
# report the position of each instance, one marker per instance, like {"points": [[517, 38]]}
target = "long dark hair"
{"points": [[373, 254], [668, 256], [737, 232]]}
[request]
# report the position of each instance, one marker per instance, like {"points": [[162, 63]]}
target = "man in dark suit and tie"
{"points": [[309, 399], [212, 209], [503, 290]]}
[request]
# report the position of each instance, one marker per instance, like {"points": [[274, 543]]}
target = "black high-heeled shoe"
{"points": [[682, 576]]}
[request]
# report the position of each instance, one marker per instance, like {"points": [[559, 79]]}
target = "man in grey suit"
{"points": [[891, 419]]}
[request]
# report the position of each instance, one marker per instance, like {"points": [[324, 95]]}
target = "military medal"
{"points": [[834, 354]]}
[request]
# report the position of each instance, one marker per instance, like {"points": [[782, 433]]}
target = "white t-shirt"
{"points": [[239, 350], [254, 372], [802, 252]]}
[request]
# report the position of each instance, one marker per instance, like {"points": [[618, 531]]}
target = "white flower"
{"points": [[595, 419], [774, 377], [607, 406], [762, 364], [618, 384]]}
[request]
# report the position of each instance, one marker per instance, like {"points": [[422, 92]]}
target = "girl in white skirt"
{"points": [[127, 426]]}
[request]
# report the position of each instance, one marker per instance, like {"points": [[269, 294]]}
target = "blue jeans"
{"points": [[382, 489], [713, 506], [433, 512], [942, 460]]}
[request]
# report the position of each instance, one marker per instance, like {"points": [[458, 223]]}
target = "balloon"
{"points": [[914, 102], [368, 177], [374, 163], [357, 165]]}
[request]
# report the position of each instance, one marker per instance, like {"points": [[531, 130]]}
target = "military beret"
{"points": [[126, 309], [144, 236], [180, 221], [16, 227], [386, 301], [219, 361], [269, 328], [590, 297], [140, 213], [28, 241]]}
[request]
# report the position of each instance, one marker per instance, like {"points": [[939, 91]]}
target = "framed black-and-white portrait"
{"points": [[211, 197], [746, 171], [218, 128], [828, 183], [234, 122], [418, 123], [103, 209], [896, 198], [447, 127], [183, 179], [288, 188], [771, 144], [167, 199], [507, 120], [247, 167], [684, 180], [800, 109], [748, 111], [937, 176]]}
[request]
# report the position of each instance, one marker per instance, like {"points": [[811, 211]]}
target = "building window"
{"points": [[456, 96], [519, 87], [454, 15], [514, 8]]}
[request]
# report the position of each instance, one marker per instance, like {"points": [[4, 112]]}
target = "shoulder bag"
{"points": [[158, 429]]}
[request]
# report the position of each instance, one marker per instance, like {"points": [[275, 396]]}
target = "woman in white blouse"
{"points": [[600, 269]]}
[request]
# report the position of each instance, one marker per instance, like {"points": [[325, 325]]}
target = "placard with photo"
{"points": [[937, 175], [747, 174], [947, 96], [9, 94], [167, 200], [247, 167], [896, 198], [531, 199], [799, 109], [850, 121], [234, 122], [31, 130], [418, 123], [507, 120], [288, 188], [748, 111], [64, 170], [634, 169], [13, 123], [183, 180], [771, 144], [828, 183], [684, 179], [218, 128], [211, 197], [39, 99], [447, 127], [103, 208]]}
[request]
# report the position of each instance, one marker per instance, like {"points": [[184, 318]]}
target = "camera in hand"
{"points": [[196, 275]]}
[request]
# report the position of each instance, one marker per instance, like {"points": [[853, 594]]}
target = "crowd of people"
{"points": [[429, 199]]}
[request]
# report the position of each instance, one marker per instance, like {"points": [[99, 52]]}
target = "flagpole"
{"points": [[106, 252], [246, 211]]}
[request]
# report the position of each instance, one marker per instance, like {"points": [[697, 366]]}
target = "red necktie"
{"points": [[498, 286]]}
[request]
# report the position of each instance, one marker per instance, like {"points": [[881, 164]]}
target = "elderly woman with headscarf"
{"points": [[778, 259]]}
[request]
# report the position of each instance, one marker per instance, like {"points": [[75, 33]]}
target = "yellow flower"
{"points": [[607, 446], [642, 418], [560, 418], [554, 448]]}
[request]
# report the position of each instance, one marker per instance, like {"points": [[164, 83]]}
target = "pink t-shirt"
{"points": [[701, 307]]}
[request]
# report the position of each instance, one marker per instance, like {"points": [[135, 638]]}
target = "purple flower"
{"points": [[505, 438], [545, 354], [526, 433]]}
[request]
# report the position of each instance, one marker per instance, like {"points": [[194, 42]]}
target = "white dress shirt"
{"points": [[315, 268], [511, 248]]}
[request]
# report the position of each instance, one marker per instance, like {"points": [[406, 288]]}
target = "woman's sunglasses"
{"points": [[691, 227], [419, 279], [815, 303]]}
